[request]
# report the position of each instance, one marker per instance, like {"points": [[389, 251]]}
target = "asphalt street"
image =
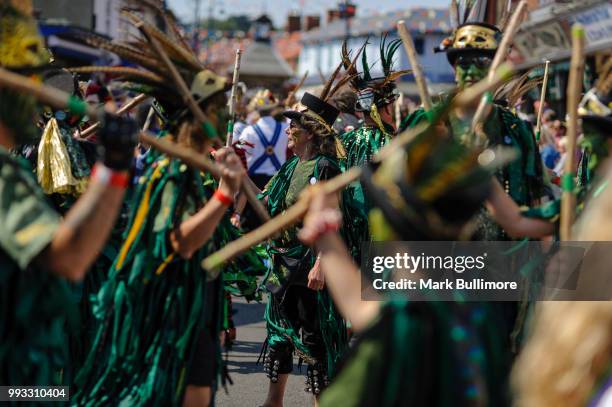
{"points": [[250, 382]]}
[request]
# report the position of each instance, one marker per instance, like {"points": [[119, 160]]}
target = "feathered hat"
{"points": [[22, 48], [471, 34], [318, 108], [416, 197], [374, 91], [150, 75]]}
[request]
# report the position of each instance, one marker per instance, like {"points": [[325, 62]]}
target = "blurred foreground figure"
{"points": [[567, 360], [413, 353], [39, 249]]}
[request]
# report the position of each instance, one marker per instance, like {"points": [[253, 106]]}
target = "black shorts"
{"points": [[204, 361]]}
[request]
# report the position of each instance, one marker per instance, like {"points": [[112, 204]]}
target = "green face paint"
{"points": [[466, 77]]}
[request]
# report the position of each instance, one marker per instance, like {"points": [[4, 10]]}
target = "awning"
{"points": [[549, 38]]}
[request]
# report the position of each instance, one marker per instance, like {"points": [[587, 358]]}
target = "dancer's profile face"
{"points": [[297, 137]]}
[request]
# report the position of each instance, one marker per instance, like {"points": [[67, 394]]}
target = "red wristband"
{"points": [[224, 199], [106, 176]]}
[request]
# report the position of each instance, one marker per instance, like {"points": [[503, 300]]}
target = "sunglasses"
{"points": [[480, 62]]}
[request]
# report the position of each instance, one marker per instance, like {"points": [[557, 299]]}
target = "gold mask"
{"points": [[475, 36]]}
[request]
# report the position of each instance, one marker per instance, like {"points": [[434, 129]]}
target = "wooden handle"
{"points": [[46, 94], [500, 56], [125, 108], [281, 222], [417, 70], [542, 98], [232, 102], [574, 90], [296, 212]]}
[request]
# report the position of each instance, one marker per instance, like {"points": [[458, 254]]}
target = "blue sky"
{"points": [[278, 9]]}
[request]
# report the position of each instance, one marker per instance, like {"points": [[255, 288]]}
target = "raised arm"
{"points": [[508, 215], [195, 231]]}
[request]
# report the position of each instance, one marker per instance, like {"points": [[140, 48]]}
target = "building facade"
{"points": [[322, 47]]}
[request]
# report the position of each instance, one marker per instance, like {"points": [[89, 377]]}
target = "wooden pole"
{"points": [[61, 100], [500, 56], [542, 100], [232, 102], [296, 212], [417, 70], [248, 187], [574, 91], [125, 108]]}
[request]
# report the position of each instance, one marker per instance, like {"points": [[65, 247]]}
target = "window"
{"points": [[419, 45]]}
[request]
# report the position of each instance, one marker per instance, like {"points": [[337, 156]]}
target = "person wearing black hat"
{"points": [[298, 302]]}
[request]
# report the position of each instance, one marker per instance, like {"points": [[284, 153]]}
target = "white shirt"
{"points": [[267, 125]]}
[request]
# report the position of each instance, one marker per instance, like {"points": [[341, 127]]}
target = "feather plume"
{"points": [[394, 75], [330, 81], [364, 63], [170, 21], [340, 84], [120, 71], [126, 53], [386, 55], [175, 51], [517, 87]]}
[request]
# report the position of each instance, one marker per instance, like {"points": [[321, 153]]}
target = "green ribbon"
{"points": [[538, 135], [567, 182], [209, 130], [230, 127], [77, 106]]}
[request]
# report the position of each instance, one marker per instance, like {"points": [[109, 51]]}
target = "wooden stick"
{"points": [[61, 100], [500, 56], [417, 70], [125, 108], [542, 100], [574, 90], [247, 187], [175, 74], [296, 212], [232, 101]]}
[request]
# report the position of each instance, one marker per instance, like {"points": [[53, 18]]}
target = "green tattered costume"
{"points": [[425, 354], [360, 145], [522, 179], [35, 305], [292, 261], [154, 305]]}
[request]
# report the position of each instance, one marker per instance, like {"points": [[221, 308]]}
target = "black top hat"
{"points": [[316, 109]]}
